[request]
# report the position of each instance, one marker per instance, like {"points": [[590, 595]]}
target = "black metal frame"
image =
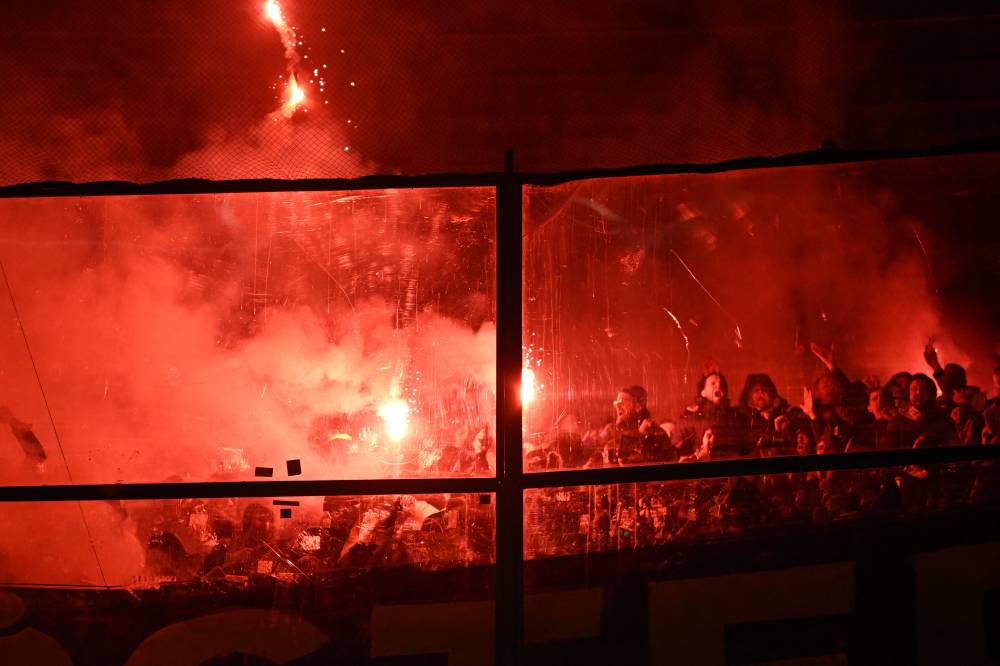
{"points": [[510, 481]]}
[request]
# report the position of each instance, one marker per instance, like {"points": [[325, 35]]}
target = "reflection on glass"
{"points": [[571, 521], [240, 542], [201, 337], [769, 312], [185, 581]]}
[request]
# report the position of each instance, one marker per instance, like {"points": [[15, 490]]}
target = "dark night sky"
{"points": [[166, 89]]}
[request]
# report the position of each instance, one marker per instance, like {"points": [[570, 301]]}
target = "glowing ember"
{"points": [[527, 386], [395, 413]]}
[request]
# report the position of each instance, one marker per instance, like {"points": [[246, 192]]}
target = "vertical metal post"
{"points": [[509, 634]]}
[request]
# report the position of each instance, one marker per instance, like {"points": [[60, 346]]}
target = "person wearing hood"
{"points": [[711, 411], [761, 410]]}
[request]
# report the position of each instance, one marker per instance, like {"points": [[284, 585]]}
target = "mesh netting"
{"points": [[172, 89]]}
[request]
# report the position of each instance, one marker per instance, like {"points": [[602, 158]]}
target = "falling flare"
{"points": [[295, 95], [273, 11], [395, 413]]}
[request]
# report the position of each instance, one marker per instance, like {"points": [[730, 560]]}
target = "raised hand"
{"points": [[930, 355], [824, 354], [807, 403], [781, 424]]}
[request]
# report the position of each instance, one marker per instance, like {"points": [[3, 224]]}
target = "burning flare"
{"points": [[273, 11], [295, 96], [527, 386], [395, 413]]}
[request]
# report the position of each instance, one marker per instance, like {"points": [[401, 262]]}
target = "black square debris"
{"points": [[263, 471], [286, 513], [485, 499], [294, 467]]}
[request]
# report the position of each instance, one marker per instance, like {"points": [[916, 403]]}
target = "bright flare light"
{"points": [[273, 12], [395, 413], [295, 96], [527, 386]]}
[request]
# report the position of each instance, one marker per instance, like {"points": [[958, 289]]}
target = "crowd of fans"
{"points": [[233, 541], [836, 415]]}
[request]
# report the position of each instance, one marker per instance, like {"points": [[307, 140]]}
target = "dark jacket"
{"points": [[730, 428], [929, 428], [641, 440], [759, 424]]}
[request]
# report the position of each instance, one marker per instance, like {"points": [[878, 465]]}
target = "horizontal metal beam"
{"points": [[756, 466], [821, 157], [191, 186], [582, 477], [217, 489]]}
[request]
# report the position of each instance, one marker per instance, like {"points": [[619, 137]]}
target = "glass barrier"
{"points": [[588, 520], [762, 312], [208, 541], [183, 581], [232, 336]]}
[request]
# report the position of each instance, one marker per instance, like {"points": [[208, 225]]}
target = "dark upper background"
{"points": [[152, 90]]}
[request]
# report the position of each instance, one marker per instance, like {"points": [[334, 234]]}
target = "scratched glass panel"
{"points": [[809, 508], [684, 317], [195, 338], [183, 581]]}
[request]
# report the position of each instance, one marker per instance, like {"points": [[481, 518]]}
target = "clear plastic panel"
{"points": [[638, 289], [593, 519], [201, 337], [183, 581]]}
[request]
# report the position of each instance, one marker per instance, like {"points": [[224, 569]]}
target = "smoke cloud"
{"points": [[196, 338], [641, 280]]}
